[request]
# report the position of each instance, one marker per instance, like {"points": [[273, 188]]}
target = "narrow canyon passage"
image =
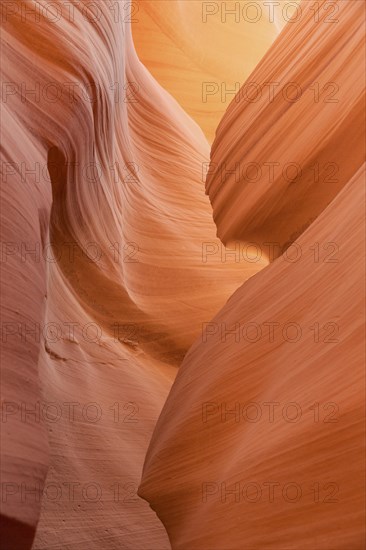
{"points": [[181, 276]]}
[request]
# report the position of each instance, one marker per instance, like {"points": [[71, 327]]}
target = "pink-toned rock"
{"points": [[112, 273], [103, 180]]}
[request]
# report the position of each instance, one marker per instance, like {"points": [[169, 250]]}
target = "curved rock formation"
{"points": [[293, 135], [111, 270], [261, 441], [105, 224]]}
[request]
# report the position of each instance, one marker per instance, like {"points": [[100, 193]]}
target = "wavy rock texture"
{"points": [[117, 177], [103, 179], [299, 138], [261, 441], [247, 459]]}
